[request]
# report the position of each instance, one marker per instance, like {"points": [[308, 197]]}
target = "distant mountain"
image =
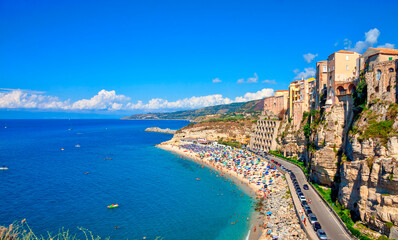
{"points": [[248, 107]]}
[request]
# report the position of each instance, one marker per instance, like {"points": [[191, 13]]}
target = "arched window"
{"points": [[391, 70], [389, 89], [377, 89], [378, 75]]}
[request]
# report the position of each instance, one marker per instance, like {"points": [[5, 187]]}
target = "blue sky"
{"points": [[56, 54]]}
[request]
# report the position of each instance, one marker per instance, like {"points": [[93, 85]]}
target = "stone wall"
{"points": [[384, 88]]}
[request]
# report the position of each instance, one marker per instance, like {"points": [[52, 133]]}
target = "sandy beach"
{"points": [[264, 226]]}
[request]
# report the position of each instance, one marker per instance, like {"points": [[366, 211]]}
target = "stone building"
{"points": [[341, 76], [320, 81], [264, 137], [278, 103], [373, 56], [382, 81]]}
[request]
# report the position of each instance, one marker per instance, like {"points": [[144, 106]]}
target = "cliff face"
{"points": [[369, 179], [357, 157], [216, 130], [291, 141], [327, 141]]}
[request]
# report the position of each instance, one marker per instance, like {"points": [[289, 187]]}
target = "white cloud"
{"points": [[269, 81], [216, 80], [387, 45], [110, 101], [252, 79], [371, 38], [103, 100], [249, 80], [307, 73], [309, 57], [17, 98], [265, 92]]}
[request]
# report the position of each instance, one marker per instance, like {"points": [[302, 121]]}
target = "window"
{"points": [[390, 59], [391, 70], [333, 57], [347, 58], [329, 69], [347, 67], [324, 69], [378, 75], [333, 68]]}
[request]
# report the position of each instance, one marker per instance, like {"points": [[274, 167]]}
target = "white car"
{"points": [[302, 198]]}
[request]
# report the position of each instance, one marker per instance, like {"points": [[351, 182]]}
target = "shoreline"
{"points": [[247, 187]]}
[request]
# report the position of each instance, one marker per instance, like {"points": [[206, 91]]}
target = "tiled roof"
{"points": [[386, 51], [344, 51]]}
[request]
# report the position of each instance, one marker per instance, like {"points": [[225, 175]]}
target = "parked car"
{"points": [[321, 234], [309, 211], [312, 218], [306, 207], [317, 226], [305, 186], [303, 202], [298, 190]]}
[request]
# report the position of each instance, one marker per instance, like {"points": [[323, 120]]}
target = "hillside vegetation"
{"points": [[253, 107]]}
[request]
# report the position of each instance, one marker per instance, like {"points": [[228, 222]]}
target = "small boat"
{"points": [[197, 179], [77, 145], [113, 205], [4, 168]]}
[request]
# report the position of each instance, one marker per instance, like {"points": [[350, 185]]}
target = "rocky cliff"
{"points": [[369, 177], [215, 130], [358, 157]]}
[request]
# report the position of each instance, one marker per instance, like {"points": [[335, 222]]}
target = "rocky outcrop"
{"points": [[357, 158], [369, 179], [214, 131], [290, 142], [160, 130]]}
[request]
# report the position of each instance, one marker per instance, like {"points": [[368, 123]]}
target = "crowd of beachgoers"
{"points": [[260, 176]]}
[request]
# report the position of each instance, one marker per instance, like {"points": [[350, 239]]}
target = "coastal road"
{"points": [[326, 218]]}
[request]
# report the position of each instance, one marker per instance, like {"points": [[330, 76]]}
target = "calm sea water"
{"points": [[157, 191]]}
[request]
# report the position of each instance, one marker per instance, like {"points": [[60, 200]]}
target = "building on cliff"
{"points": [[341, 76], [301, 97], [383, 81], [278, 103], [380, 68], [320, 81]]}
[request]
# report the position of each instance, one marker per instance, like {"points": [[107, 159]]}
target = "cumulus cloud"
{"points": [[103, 100], [371, 38], [110, 101], [387, 45], [266, 92], [307, 73], [216, 80], [17, 98], [249, 80], [269, 81], [309, 57]]}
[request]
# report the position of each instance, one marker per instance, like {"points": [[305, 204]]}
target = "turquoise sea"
{"points": [[157, 190]]}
